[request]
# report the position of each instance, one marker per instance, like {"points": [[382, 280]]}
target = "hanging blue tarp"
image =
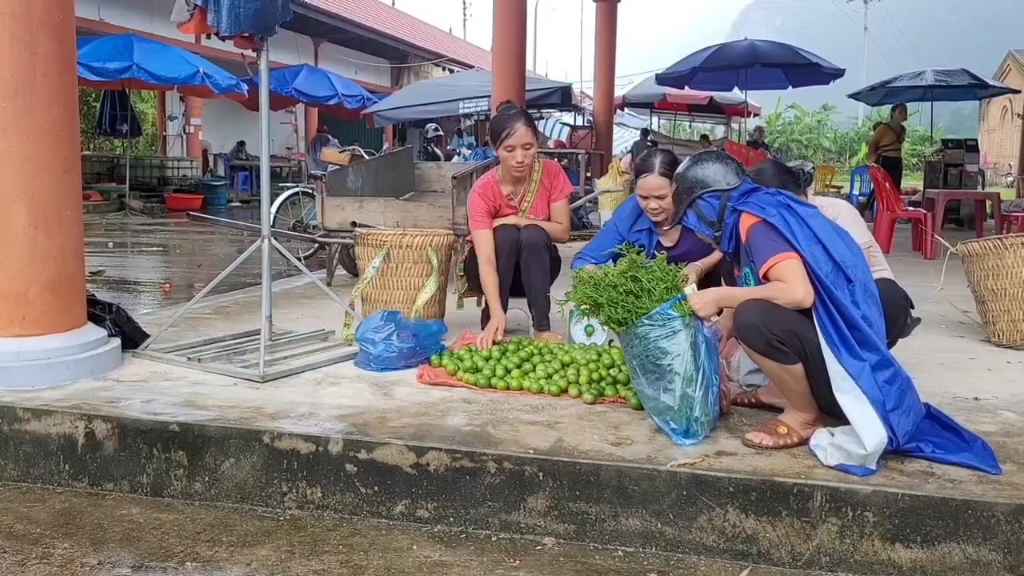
{"points": [[131, 62], [305, 84], [116, 117], [230, 18]]}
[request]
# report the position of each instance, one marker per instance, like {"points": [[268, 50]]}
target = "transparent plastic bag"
{"points": [[674, 363], [389, 341]]}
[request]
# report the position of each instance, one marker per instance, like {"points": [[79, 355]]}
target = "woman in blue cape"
{"points": [[807, 312], [643, 220]]}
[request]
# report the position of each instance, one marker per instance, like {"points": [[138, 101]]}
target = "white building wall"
{"points": [[225, 121]]}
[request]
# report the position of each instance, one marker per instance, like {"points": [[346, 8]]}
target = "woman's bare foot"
{"points": [[789, 430], [548, 337]]}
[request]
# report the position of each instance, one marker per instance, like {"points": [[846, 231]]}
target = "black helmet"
{"points": [[707, 171]]}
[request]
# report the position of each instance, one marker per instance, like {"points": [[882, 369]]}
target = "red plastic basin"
{"points": [[184, 202]]}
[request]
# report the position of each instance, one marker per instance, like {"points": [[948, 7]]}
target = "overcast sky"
{"points": [[652, 34]]}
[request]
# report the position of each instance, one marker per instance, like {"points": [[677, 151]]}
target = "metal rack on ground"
{"points": [[259, 355]]}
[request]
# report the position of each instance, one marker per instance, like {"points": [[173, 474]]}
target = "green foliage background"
{"points": [[145, 106]]}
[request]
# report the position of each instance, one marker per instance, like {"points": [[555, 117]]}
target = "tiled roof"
{"points": [[383, 19]]}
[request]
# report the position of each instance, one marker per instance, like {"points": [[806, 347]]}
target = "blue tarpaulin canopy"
{"points": [[305, 84], [463, 94], [932, 85], [749, 65], [131, 62]]}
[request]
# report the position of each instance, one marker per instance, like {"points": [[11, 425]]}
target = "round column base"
{"points": [[56, 359]]}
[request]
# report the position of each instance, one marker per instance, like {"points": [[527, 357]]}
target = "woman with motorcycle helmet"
{"points": [[807, 313], [433, 143]]}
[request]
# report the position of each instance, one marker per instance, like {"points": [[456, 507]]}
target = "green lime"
{"points": [[527, 367], [635, 403], [502, 385], [435, 361], [610, 392], [567, 359], [536, 388], [516, 385], [452, 369], [589, 398], [517, 373], [556, 365], [572, 377], [593, 367], [487, 371], [500, 372], [622, 378], [584, 379], [554, 390], [574, 391], [486, 354], [607, 361]]}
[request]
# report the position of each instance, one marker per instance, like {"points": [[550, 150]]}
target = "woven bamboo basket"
{"points": [[994, 267], [398, 271]]}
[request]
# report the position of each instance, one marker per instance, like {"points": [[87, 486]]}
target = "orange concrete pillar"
{"points": [[508, 52], [194, 122], [312, 113], [42, 259], [604, 80], [45, 338]]}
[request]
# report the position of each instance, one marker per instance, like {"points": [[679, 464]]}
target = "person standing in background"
{"points": [[886, 147], [640, 145], [757, 142]]}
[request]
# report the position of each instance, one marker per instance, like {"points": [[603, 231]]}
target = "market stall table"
{"points": [[293, 168], [935, 202]]}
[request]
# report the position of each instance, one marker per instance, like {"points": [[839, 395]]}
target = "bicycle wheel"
{"points": [[295, 211]]}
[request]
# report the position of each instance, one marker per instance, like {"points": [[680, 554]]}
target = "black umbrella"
{"points": [[932, 85], [117, 118], [463, 94]]}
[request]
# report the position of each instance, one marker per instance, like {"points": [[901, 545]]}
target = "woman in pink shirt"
{"points": [[517, 213]]}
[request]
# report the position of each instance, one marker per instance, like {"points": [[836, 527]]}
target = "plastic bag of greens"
{"points": [[388, 341], [673, 360]]}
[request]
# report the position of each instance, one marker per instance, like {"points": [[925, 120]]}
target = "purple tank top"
{"points": [[689, 248]]}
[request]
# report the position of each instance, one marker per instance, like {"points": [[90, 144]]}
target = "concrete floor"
{"points": [[66, 533], [954, 369]]}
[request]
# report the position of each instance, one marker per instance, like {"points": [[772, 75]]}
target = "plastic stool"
{"points": [[861, 188], [242, 182]]}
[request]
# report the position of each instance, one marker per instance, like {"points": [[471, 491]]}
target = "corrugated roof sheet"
{"points": [[383, 19]]}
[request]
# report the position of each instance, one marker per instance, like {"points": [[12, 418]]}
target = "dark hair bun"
{"points": [[507, 107]]}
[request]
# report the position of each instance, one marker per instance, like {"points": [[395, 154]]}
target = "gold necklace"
{"points": [[517, 196]]}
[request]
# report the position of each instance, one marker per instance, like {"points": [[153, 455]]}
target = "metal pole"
{"points": [[266, 281], [536, 11], [864, 69]]}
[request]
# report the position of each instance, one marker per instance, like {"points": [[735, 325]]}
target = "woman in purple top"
{"points": [[642, 220]]}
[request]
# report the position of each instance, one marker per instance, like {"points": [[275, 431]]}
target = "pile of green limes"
{"points": [[580, 371]]}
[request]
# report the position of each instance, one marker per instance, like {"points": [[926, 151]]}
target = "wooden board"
{"points": [[420, 210]]}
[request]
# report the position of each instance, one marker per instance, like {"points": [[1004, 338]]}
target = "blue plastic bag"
{"points": [[674, 363], [389, 341]]}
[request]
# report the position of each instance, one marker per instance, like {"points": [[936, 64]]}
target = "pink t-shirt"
{"points": [[488, 203]]}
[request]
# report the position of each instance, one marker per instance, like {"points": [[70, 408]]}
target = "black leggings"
{"points": [[788, 337], [897, 309], [528, 264]]}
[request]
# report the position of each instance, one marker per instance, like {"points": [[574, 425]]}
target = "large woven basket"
{"points": [[405, 270], [994, 267]]}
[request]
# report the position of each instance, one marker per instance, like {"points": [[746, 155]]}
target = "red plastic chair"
{"points": [[745, 154], [891, 209], [1011, 218]]}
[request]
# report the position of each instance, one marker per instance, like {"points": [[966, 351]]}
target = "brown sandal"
{"points": [[783, 437], [752, 399]]}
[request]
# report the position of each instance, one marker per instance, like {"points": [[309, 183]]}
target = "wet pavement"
{"points": [[146, 263], [46, 532]]}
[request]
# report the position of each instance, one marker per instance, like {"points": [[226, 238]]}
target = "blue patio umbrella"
{"points": [[310, 85], [749, 65], [932, 85], [131, 62]]}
